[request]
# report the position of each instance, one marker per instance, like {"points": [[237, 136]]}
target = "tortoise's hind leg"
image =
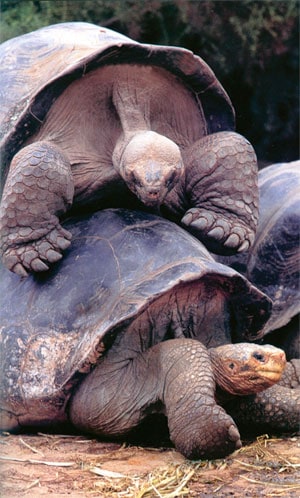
{"points": [[222, 192], [174, 376], [38, 189]]}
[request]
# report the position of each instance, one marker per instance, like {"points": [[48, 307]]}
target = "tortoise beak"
{"points": [[273, 365]]}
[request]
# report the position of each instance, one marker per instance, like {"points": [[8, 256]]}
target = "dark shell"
{"points": [[120, 262], [38, 66], [273, 262]]}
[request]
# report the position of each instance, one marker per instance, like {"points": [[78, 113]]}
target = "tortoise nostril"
{"points": [[259, 357], [153, 194]]}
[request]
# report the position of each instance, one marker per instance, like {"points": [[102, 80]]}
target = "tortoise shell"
{"points": [[272, 263], [120, 267], [40, 65], [274, 260]]}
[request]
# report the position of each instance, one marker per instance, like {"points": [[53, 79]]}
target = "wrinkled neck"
{"points": [[133, 110], [132, 103], [120, 147]]}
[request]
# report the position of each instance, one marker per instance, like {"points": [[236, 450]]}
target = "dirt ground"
{"points": [[76, 466]]}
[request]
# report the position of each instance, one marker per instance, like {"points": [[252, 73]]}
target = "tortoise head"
{"points": [[245, 368], [151, 165]]}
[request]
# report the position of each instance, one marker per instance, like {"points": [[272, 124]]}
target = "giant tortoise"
{"points": [[119, 329], [92, 119]]}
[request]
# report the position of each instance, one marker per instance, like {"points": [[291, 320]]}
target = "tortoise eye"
{"points": [[231, 366], [171, 179], [135, 180], [259, 356]]}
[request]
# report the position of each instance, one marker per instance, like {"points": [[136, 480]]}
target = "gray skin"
{"points": [[92, 119], [129, 324]]}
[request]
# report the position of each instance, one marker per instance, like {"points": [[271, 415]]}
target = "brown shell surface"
{"points": [[38, 66], [52, 326]]}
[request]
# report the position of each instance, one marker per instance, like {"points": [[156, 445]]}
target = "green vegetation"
{"points": [[251, 45]]}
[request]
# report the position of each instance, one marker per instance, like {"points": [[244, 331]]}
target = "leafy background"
{"points": [[253, 47]]}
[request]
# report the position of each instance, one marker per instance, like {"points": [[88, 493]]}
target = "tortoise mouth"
{"points": [[274, 373], [264, 378], [258, 380], [152, 197], [272, 366], [252, 384]]}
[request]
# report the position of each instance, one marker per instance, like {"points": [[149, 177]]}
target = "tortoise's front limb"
{"points": [[175, 375], [38, 189], [291, 375], [277, 408], [222, 192]]}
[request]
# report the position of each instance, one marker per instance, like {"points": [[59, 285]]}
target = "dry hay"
{"points": [[258, 469]]}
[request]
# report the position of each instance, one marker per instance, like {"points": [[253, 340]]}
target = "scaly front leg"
{"points": [[221, 188], [38, 189], [175, 375]]}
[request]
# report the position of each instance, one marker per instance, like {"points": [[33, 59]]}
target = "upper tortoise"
{"points": [[91, 118]]}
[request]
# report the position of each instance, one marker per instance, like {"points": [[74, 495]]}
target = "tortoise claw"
{"points": [[53, 256], [38, 265], [244, 246], [219, 233], [232, 241], [234, 436], [34, 255], [20, 270]]}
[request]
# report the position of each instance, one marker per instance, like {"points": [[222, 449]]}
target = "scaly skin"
{"points": [[220, 192], [177, 377], [216, 199], [39, 188], [291, 375], [276, 408], [117, 395]]}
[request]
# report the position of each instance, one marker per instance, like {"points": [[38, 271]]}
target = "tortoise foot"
{"points": [[36, 255], [214, 436], [219, 234]]}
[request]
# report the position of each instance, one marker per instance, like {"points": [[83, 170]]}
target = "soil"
{"points": [[77, 466]]}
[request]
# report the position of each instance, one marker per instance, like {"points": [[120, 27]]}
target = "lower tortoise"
{"points": [[137, 319], [92, 119]]}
